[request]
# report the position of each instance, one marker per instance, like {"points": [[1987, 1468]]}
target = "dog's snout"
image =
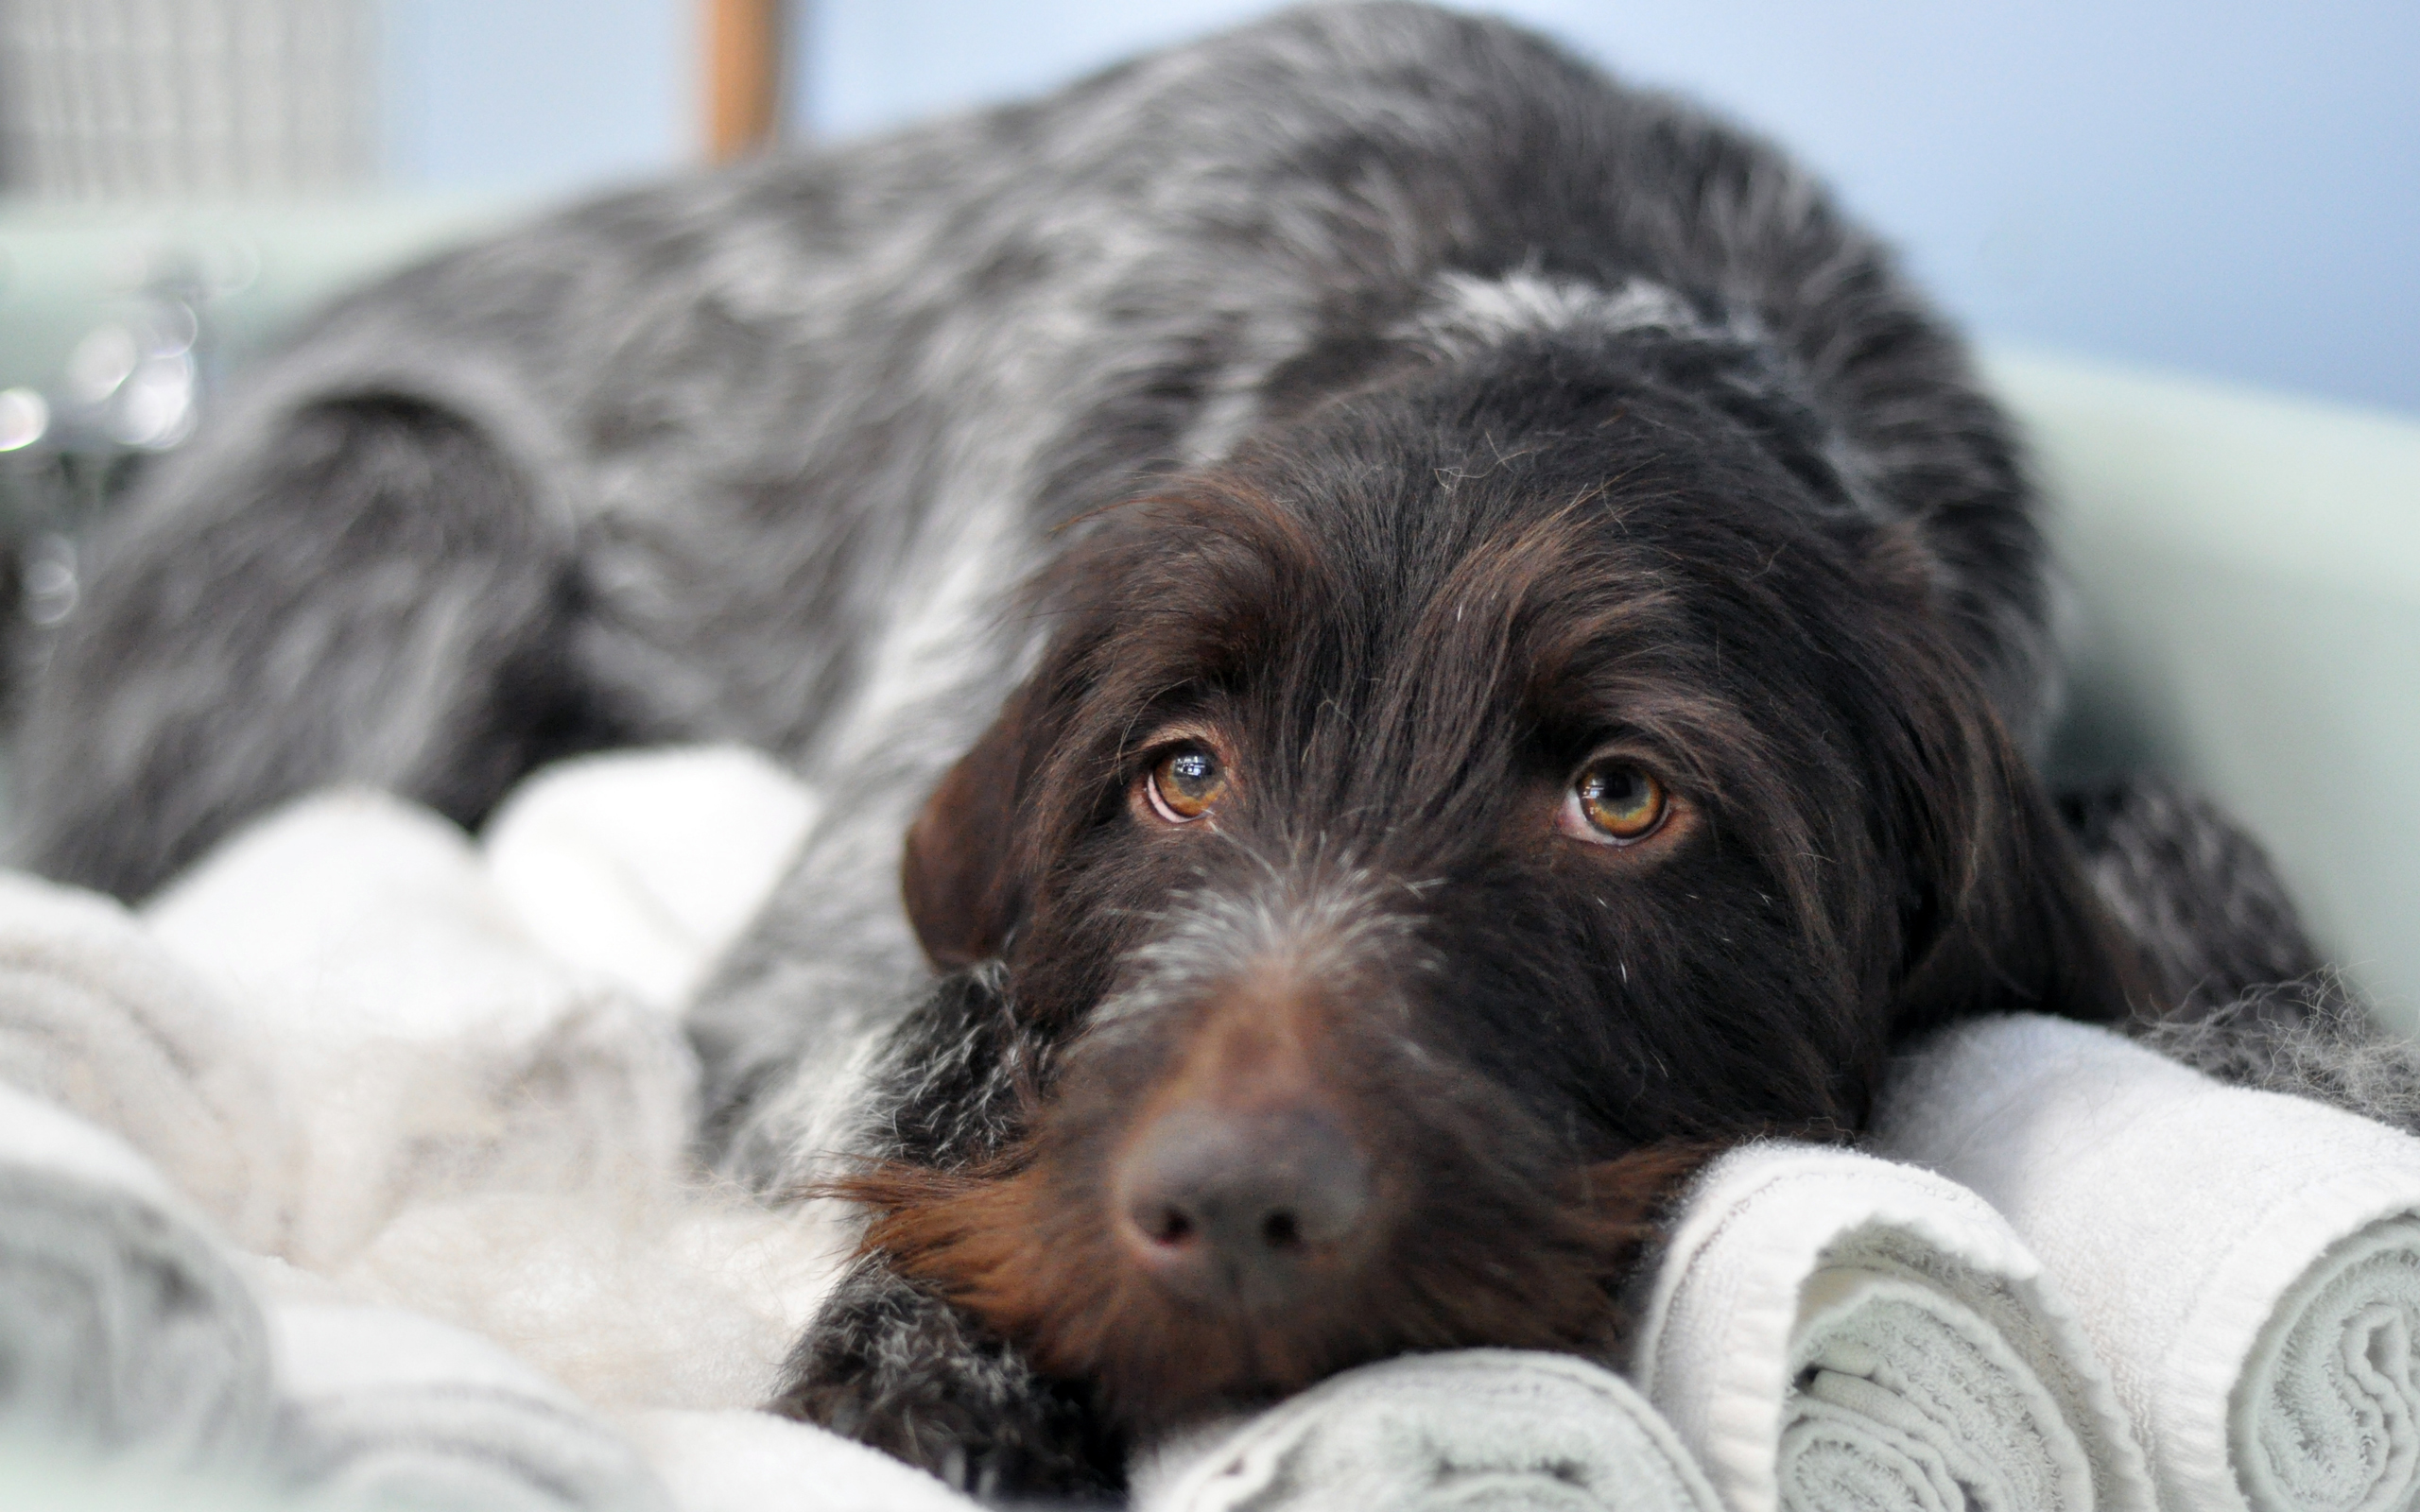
{"points": [[1240, 1206]]}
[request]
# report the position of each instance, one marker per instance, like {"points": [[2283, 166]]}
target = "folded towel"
{"points": [[421, 1044], [122, 1329], [95, 1017], [645, 866], [1827, 1330], [2247, 1263], [752, 1461], [1472, 1429], [385, 1408]]}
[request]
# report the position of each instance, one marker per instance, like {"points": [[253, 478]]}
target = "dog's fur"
{"points": [[1385, 401]]}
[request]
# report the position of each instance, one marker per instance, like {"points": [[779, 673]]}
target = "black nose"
{"points": [[1241, 1206]]}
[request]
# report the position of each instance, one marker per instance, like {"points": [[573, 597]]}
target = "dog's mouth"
{"points": [[1226, 1284], [1238, 1183]]}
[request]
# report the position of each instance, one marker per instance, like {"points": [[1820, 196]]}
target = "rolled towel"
{"points": [[2247, 1263], [95, 1017], [645, 866], [422, 1043], [385, 1408], [1471, 1429], [750, 1461], [123, 1327], [1827, 1330]]}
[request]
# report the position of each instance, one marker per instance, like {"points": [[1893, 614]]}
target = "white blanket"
{"points": [[385, 1408], [1827, 1330], [124, 1327], [484, 1131], [97, 1017], [2248, 1264], [753, 1462], [421, 1042]]}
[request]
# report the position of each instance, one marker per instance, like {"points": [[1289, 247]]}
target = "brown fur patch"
{"points": [[1045, 1272]]}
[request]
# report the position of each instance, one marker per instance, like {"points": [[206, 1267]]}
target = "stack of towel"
{"points": [[2248, 1264], [444, 1081]]}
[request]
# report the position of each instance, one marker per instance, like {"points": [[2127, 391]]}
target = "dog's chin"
{"points": [[1032, 1245]]}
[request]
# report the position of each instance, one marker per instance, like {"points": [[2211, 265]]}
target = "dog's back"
{"points": [[752, 456]]}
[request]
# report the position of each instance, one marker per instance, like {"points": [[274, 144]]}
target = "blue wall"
{"points": [[535, 95], [2231, 188]]}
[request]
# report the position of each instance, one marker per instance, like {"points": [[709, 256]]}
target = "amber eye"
{"points": [[1185, 783], [1619, 802]]}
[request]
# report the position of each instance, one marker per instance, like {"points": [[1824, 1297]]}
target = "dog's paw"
{"points": [[892, 1367]]}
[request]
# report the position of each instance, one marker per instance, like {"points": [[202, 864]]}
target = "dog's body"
{"points": [[1554, 709]]}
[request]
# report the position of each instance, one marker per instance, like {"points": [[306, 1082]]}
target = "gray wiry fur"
{"points": [[757, 456], [2199, 893], [2245, 996], [2312, 1038]]}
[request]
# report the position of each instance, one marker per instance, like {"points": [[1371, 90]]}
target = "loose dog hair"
{"points": [[1446, 638]]}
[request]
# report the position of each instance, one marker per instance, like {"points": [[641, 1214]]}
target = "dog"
{"points": [[1441, 637]]}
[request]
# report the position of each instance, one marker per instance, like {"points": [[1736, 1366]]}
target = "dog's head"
{"points": [[1425, 836]]}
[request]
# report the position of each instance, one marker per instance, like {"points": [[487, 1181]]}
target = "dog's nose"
{"points": [[1237, 1206]]}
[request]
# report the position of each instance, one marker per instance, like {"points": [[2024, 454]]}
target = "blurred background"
{"points": [[2226, 186]]}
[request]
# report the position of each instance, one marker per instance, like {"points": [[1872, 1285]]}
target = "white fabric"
{"points": [[1827, 1330], [1466, 1431], [95, 1017], [387, 1408], [421, 1042], [123, 1327], [645, 866], [2248, 1264], [736, 1461]]}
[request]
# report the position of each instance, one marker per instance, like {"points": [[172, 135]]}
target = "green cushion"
{"points": [[2247, 570]]}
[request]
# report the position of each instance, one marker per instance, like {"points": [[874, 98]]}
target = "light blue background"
{"points": [[2231, 188]]}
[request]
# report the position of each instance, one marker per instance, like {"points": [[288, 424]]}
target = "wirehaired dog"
{"points": [[1444, 638]]}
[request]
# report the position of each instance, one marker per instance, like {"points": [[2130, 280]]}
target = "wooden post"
{"points": [[743, 57]]}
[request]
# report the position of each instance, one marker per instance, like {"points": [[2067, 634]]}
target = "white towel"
{"points": [[422, 1043], [754, 1462], [1830, 1331], [678, 1297], [386, 1408], [122, 1329], [1501, 1430], [2249, 1263], [96, 1018], [645, 866]]}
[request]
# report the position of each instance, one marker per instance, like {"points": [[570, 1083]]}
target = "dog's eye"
{"points": [[1185, 783], [1617, 802]]}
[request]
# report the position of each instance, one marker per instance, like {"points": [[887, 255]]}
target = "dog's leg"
{"points": [[890, 1364], [366, 595], [2247, 997]]}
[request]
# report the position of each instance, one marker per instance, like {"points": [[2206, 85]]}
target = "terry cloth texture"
{"points": [[1466, 1431], [646, 866], [423, 1044], [385, 1408], [124, 1328], [96, 1018], [2248, 1264], [756, 1462], [1827, 1330]]}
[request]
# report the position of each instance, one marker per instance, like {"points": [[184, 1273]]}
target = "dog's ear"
{"points": [[959, 875], [2001, 918]]}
